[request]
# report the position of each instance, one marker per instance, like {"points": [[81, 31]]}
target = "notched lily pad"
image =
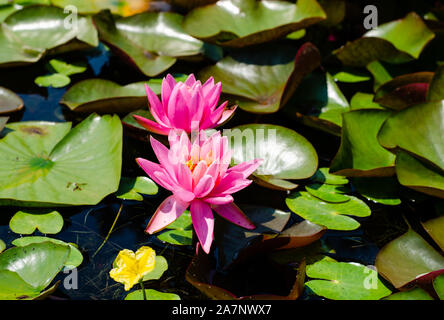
{"points": [[151, 294], [133, 188], [160, 267], [398, 41], [331, 215], [262, 81], [180, 232], [414, 294], [239, 23], [286, 154], [322, 175], [328, 192], [69, 165], [383, 190], [26, 222], [360, 154], [345, 281], [9, 101]]}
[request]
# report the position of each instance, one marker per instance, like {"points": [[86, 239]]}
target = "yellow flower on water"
{"points": [[131, 267]]}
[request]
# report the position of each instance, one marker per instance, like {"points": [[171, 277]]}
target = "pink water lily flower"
{"points": [[199, 177], [189, 106]]}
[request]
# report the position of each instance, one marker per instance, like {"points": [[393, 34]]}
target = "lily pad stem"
{"points": [[110, 230]]}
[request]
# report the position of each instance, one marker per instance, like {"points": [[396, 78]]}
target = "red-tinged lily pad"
{"points": [[435, 228], [9, 101], [404, 91], [262, 81], [286, 154], [202, 275], [409, 259], [360, 154], [239, 23], [236, 244], [398, 41]]}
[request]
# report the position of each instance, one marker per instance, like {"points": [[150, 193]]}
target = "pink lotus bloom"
{"points": [[199, 177], [189, 106]]}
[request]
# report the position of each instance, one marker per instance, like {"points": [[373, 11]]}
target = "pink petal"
{"points": [[178, 109], [184, 177], [203, 222], [184, 195], [151, 125], [246, 168], [162, 154], [226, 115], [232, 213], [156, 108], [211, 120], [190, 80], [168, 84], [212, 95], [168, 211], [219, 200], [199, 172], [204, 187], [231, 183], [153, 170]]}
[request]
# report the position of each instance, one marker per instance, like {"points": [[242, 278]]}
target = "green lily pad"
{"points": [[404, 91], [345, 281], [438, 284], [360, 154], [436, 91], [239, 23], [25, 44], [151, 294], [398, 41], [9, 101], [331, 215], [120, 7], [180, 232], [55, 80], [384, 190], [406, 258], [424, 139], [36, 264], [75, 257], [70, 166], [27, 222], [328, 192], [363, 100], [379, 72], [189, 4], [133, 188], [414, 294], [285, 153], [2, 245], [350, 75], [160, 267], [435, 228], [319, 102], [68, 69], [322, 175], [418, 175], [262, 81]]}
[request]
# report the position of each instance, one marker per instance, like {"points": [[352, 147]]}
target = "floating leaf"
{"points": [[345, 281], [36, 264], [379, 72], [436, 91], [121, 7], [180, 232], [398, 41], [262, 81], [27, 222], [323, 175], [328, 192], [414, 294], [424, 139], [55, 80], [360, 154], [404, 91], [65, 68], [2, 245], [239, 23], [350, 75], [435, 228], [382, 190], [286, 154], [151, 294], [133, 188], [408, 258], [9, 101], [438, 284], [70, 166], [3, 121], [75, 257], [319, 102], [160, 267], [331, 215], [363, 100]]}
